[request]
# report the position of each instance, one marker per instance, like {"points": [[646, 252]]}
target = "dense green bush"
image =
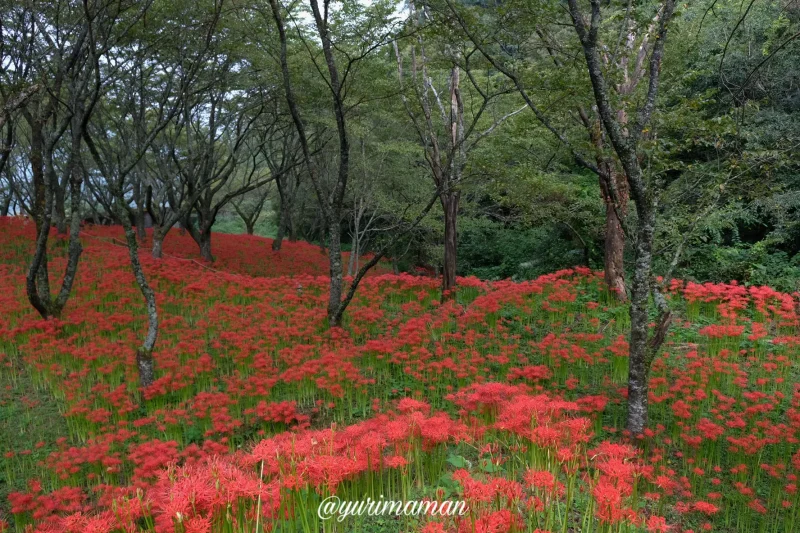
{"points": [[755, 264], [491, 250]]}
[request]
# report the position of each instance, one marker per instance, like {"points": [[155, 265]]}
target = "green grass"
{"points": [[28, 416], [233, 224]]}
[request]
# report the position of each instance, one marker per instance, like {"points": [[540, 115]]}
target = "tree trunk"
{"points": [[75, 249], [357, 252], [6, 205], [322, 248], [5, 153], [197, 236], [146, 365], [59, 212], [38, 280], [450, 205], [144, 354], [283, 223], [351, 263], [639, 359], [140, 230], [335, 262], [626, 144], [614, 248], [158, 242], [292, 230], [36, 158], [139, 211], [205, 245], [283, 214]]}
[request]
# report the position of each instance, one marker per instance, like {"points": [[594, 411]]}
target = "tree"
{"points": [[272, 149], [209, 144], [446, 130], [502, 46], [56, 81], [375, 32], [288, 186], [120, 135], [627, 142]]}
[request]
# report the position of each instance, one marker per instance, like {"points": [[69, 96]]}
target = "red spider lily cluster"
{"points": [[242, 254], [508, 397]]}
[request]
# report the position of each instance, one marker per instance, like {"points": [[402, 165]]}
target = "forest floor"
{"points": [[510, 397]]}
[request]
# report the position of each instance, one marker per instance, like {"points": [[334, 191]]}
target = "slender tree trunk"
{"points": [[188, 226], [283, 223], [60, 212], [322, 248], [43, 275], [292, 230], [139, 212], [38, 282], [639, 360], [450, 202], [335, 263], [351, 263], [75, 249], [146, 366], [625, 141], [6, 205], [36, 158], [141, 233], [359, 245], [158, 242], [45, 178], [144, 354], [614, 249], [250, 228], [5, 153]]}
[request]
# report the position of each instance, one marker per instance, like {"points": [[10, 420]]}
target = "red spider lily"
{"points": [[529, 375]]}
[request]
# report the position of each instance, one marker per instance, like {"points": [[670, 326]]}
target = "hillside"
{"points": [[508, 397]]}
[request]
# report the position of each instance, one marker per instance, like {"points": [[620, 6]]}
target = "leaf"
{"points": [[457, 461]]}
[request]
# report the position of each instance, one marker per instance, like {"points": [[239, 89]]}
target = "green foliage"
{"points": [[722, 146], [753, 264], [491, 250], [265, 227], [727, 146]]}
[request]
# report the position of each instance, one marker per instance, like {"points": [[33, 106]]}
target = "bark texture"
{"points": [[614, 245], [158, 243], [625, 139], [45, 184], [283, 224], [144, 354], [450, 203]]}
